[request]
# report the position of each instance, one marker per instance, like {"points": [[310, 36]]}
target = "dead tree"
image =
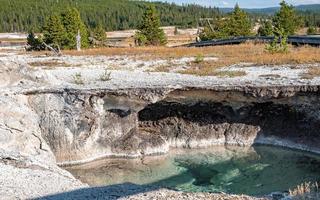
{"points": [[57, 51]]}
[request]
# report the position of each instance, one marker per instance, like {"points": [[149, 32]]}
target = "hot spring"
{"points": [[257, 170]]}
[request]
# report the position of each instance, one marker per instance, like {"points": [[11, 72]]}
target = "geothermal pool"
{"points": [[257, 170]]}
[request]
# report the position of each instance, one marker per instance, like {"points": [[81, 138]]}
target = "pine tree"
{"points": [[99, 34], [287, 19], [54, 32], [238, 23], [72, 24], [150, 28], [234, 25]]}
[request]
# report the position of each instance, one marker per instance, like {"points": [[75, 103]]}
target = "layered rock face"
{"points": [[28, 166], [83, 125]]}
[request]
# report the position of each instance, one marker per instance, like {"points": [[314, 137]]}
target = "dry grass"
{"points": [[13, 40], [145, 53], [306, 191], [206, 69], [254, 54], [311, 73], [229, 74], [163, 68], [249, 52], [51, 63], [270, 76]]}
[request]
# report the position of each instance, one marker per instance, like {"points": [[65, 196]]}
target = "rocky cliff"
{"points": [[83, 125]]}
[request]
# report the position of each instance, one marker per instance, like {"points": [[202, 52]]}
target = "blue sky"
{"points": [[242, 3]]}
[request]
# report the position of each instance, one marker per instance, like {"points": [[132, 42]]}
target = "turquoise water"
{"points": [[254, 171]]}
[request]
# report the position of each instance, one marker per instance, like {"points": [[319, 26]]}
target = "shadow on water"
{"points": [[267, 170], [110, 192]]}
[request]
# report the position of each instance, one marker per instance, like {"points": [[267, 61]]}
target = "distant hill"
{"points": [[272, 10]]}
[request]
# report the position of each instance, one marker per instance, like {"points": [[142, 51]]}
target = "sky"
{"points": [[242, 3]]}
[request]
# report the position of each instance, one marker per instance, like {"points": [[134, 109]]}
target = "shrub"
{"points": [[77, 78], [312, 30], [106, 76], [140, 39], [279, 44], [199, 58], [34, 43]]}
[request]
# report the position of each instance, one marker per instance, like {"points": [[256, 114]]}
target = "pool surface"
{"points": [[256, 170]]}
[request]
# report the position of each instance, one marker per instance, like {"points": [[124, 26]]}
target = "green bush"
{"points": [[140, 39], [279, 44], [199, 58]]}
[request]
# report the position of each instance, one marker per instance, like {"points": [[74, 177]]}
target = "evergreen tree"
{"points": [[54, 32], [286, 19], [235, 24], [266, 29], [72, 23], [285, 22], [238, 23], [279, 44], [150, 28], [99, 34]]}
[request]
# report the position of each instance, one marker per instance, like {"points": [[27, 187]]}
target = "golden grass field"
{"points": [[253, 54]]}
